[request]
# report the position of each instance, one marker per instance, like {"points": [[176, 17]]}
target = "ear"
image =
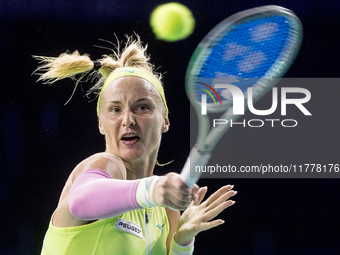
{"points": [[100, 126], [166, 125]]}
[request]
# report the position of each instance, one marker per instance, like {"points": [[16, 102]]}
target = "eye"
{"points": [[142, 108], [115, 109]]}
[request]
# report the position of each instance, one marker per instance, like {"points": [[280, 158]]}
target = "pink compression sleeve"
{"points": [[95, 195]]}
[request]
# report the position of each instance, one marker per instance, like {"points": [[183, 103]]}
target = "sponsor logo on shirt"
{"points": [[129, 227], [160, 227]]}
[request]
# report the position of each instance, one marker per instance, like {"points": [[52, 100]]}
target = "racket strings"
{"points": [[244, 53]]}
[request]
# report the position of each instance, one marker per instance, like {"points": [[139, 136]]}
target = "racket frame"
{"points": [[206, 141]]}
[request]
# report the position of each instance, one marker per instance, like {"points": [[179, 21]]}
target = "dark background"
{"points": [[42, 140]]}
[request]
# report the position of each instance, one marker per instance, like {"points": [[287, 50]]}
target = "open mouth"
{"points": [[130, 139]]}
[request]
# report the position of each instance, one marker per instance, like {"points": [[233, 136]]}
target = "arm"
{"points": [[167, 186], [173, 247], [173, 218], [95, 195]]}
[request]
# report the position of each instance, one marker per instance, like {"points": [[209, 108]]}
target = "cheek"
{"points": [[154, 130], [109, 126]]}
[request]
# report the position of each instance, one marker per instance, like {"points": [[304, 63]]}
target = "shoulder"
{"points": [[107, 162]]}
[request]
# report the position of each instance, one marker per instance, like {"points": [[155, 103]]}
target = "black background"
{"points": [[42, 140]]}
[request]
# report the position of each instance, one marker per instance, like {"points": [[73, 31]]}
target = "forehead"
{"points": [[130, 86]]}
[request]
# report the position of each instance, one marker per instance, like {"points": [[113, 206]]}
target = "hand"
{"points": [[170, 191], [197, 216]]}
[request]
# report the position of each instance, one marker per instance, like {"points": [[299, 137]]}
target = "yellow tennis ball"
{"points": [[172, 22]]}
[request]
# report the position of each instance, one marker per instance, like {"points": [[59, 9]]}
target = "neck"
{"points": [[140, 168]]}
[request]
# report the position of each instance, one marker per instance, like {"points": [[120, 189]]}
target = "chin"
{"points": [[132, 155]]}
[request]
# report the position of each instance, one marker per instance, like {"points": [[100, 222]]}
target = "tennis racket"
{"points": [[248, 50]]}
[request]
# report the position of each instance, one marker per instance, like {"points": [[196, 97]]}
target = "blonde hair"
{"points": [[76, 66]]}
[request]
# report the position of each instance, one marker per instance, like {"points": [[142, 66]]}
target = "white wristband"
{"points": [[144, 193], [177, 249]]}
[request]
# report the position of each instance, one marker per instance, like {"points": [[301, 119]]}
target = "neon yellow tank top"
{"points": [[142, 231]]}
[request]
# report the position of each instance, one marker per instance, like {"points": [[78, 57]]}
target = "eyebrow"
{"points": [[137, 101]]}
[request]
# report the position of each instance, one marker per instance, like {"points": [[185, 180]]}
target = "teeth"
{"points": [[129, 135]]}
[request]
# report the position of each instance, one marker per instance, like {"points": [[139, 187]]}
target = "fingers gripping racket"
{"points": [[247, 50]]}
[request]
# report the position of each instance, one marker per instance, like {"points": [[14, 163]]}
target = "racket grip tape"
{"points": [[196, 158]]}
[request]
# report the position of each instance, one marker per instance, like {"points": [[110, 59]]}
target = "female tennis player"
{"points": [[112, 203]]}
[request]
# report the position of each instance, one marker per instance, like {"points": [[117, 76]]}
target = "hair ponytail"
{"points": [[76, 66], [67, 65]]}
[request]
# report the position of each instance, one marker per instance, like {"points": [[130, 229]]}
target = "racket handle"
{"points": [[196, 158]]}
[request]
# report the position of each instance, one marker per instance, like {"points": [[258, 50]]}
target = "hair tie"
{"points": [[96, 65]]}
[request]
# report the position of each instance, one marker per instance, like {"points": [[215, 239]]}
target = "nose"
{"points": [[128, 119]]}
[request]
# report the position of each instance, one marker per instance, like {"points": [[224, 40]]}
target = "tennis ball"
{"points": [[172, 22]]}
